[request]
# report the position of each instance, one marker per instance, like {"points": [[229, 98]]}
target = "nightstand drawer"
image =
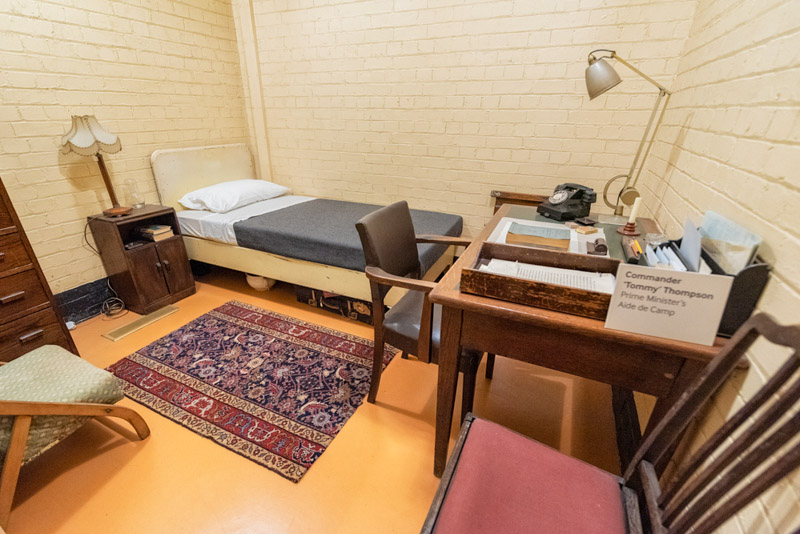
{"points": [[12, 252], [19, 293], [28, 333]]}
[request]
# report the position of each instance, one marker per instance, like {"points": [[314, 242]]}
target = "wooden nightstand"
{"points": [[148, 276]]}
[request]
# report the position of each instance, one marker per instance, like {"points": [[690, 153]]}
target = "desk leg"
{"points": [[449, 352], [626, 420]]}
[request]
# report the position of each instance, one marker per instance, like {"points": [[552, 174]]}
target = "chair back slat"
{"points": [[775, 472], [750, 435], [748, 441], [728, 428], [678, 418], [652, 491], [766, 449]]}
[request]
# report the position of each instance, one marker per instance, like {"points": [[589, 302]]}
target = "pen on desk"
{"points": [[636, 242]]}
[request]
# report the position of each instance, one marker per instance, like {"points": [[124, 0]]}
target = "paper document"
{"points": [[600, 282], [690, 245], [674, 260], [732, 246]]}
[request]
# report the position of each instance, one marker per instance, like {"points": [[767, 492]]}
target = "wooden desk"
{"points": [[568, 343]]}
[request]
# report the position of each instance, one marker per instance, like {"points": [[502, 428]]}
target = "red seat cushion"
{"points": [[505, 482]]}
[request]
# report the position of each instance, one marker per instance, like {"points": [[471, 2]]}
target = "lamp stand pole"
{"points": [[116, 210]]}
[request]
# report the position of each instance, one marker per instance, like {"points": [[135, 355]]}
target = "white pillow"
{"points": [[227, 196]]}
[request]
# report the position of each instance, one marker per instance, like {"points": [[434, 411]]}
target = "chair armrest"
{"points": [[376, 274], [82, 409], [55, 408], [444, 240]]}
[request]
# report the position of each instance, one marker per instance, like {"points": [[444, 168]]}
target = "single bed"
{"points": [[297, 239]]}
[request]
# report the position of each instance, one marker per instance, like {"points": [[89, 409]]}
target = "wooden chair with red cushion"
{"points": [[499, 481]]}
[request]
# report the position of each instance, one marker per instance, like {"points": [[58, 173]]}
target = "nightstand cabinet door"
{"points": [[177, 272], [147, 271]]}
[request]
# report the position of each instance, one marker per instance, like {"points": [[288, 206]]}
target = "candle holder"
{"points": [[628, 229]]}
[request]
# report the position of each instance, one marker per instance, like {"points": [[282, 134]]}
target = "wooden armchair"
{"points": [[45, 395], [499, 481], [413, 324]]}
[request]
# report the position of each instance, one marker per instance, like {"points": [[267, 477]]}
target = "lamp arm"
{"points": [[637, 71], [644, 138], [652, 138]]}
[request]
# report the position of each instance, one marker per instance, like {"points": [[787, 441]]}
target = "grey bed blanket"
{"points": [[324, 231]]}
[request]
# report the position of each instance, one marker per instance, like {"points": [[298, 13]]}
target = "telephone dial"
{"points": [[568, 202]]}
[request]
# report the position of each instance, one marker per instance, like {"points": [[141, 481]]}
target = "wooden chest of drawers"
{"points": [[28, 315]]}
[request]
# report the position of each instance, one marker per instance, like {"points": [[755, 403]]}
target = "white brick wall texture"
{"points": [[730, 142], [441, 101], [160, 74]]}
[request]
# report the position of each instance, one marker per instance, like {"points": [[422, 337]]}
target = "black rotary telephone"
{"points": [[568, 202]]}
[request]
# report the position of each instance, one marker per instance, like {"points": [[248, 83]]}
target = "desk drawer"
{"points": [[19, 293], [12, 253], [23, 335]]}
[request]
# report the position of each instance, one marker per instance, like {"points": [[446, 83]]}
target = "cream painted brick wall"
{"points": [[441, 101], [730, 142], [160, 74]]}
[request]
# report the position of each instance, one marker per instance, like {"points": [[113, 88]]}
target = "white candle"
{"points": [[634, 210]]}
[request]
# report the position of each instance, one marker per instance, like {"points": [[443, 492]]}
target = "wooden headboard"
{"points": [[180, 170]]}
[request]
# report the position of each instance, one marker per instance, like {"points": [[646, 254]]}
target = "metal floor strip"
{"points": [[141, 322]]}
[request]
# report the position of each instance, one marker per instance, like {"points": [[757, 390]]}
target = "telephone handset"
{"points": [[568, 201]]}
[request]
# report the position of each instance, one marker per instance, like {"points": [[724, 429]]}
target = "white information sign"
{"points": [[676, 305]]}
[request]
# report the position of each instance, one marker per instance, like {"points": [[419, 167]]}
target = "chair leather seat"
{"points": [[508, 483], [403, 319]]}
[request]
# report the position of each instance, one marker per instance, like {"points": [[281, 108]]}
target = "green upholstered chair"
{"points": [[45, 395]]}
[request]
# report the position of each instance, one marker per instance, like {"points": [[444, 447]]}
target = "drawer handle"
{"points": [[30, 336], [2, 256], [11, 297], [166, 265]]}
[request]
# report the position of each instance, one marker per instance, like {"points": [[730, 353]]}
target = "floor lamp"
{"points": [[88, 138], [600, 77]]}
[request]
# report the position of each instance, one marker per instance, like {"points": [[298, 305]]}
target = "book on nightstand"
{"points": [[153, 229], [158, 237], [156, 232]]}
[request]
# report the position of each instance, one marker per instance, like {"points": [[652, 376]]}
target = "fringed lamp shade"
{"points": [[87, 138]]}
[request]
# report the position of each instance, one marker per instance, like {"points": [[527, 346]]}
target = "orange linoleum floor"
{"points": [[376, 476]]}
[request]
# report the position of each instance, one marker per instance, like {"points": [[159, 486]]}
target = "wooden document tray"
{"points": [[539, 294]]}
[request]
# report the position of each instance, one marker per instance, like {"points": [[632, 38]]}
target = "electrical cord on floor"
{"points": [[112, 306]]}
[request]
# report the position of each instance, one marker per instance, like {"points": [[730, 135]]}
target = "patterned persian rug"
{"points": [[272, 388]]}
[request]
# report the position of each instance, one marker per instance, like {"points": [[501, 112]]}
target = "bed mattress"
{"points": [[317, 230]]}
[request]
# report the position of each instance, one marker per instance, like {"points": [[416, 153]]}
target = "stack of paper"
{"points": [[733, 247], [600, 282]]}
